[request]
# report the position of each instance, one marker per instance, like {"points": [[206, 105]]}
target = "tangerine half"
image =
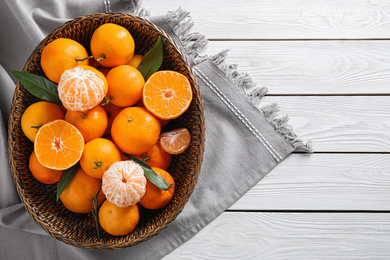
{"points": [[58, 145], [167, 94]]}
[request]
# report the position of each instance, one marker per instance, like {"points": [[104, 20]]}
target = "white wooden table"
{"points": [[327, 64]]}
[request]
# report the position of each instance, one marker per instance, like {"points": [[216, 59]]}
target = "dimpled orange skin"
{"points": [[41, 173], [136, 60], [60, 55], [38, 114], [125, 85], [156, 198], [91, 124], [98, 155], [118, 221], [135, 130], [156, 157], [114, 43], [78, 195]]}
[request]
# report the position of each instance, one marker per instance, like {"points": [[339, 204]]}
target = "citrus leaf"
{"points": [[66, 178], [152, 60], [95, 212], [152, 176], [39, 86]]}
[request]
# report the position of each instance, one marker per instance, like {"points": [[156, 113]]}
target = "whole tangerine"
{"points": [[78, 195], [135, 130], [60, 55], [118, 221], [112, 45]]}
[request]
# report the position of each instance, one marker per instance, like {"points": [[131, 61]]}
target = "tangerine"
{"points": [[167, 94], [135, 130], [91, 124], [58, 145], [156, 157], [42, 173], [78, 195], [60, 55], [82, 88], [118, 221], [156, 198], [111, 111], [38, 114], [125, 85], [124, 183], [112, 45], [136, 60], [98, 155]]}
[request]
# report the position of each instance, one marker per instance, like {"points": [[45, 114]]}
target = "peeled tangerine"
{"points": [[124, 183], [82, 88]]}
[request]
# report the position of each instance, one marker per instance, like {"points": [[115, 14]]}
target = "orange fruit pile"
{"points": [[108, 111]]}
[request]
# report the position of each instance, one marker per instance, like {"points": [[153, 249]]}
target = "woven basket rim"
{"points": [[14, 124]]}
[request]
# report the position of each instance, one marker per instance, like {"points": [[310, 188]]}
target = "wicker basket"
{"points": [[39, 199]]}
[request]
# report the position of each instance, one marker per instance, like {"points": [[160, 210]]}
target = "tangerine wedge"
{"points": [[175, 141]]}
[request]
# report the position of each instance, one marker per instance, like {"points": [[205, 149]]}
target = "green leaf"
{"points": [[150, 174], [66, 178], [152, 60], [95, 212], [39, 86]]}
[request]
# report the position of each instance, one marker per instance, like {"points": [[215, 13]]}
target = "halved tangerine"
{"points": [[58, 145], [167, 94]]}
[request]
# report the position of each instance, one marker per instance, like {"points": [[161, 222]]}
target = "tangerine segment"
{"points": [[81, 88], [124, 183], [167, 94], [118, 221], [58, 145], [175, 141]]}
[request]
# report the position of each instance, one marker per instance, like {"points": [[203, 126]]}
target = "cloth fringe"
{"points": [[134, 8], [194, 43]]}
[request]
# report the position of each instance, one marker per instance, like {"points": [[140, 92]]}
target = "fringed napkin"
{"points": [[244, 142]]}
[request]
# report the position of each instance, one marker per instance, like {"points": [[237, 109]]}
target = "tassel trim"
{"points": [[194, 43]]}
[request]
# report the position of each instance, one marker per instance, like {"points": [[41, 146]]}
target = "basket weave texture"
{"points": [[39, 199]]}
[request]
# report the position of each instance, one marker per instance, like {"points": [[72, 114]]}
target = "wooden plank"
{"points": [[243, 235], [349, 182], [339, 123], [284, 19], [312, 67]]}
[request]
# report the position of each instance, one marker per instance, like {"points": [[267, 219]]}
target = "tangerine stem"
{"points": [[98, 165], [102, 57], [146, 158], [84, 116], [36, 127], [107, 100], [86, 58]]}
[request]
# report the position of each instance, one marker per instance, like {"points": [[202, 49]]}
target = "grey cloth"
{"points": [[243, 142]]}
